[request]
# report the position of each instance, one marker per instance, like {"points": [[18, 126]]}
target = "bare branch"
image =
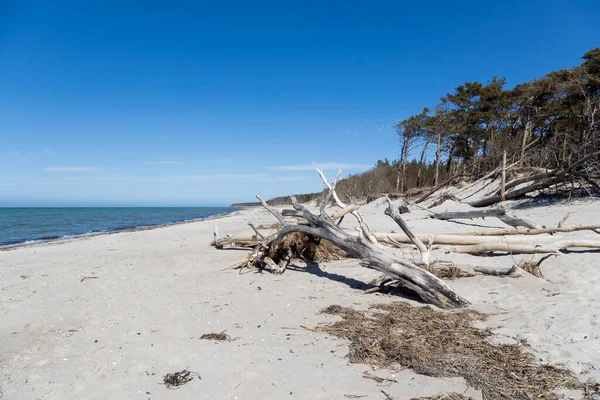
{"points": [[271, 210]]}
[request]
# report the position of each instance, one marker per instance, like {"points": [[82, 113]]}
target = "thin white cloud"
{"points": [[325, 166], [226, 177], [213, 177], [69, 169], [161, 162]]}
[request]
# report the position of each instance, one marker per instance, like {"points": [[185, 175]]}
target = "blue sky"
{"points": [[193, 103]]}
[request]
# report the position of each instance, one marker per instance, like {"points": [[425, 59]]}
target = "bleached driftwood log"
{"points": [[544, 181], [499, 213], [487, 244], [445, 239], [513, 271], [540, 231], [430, 288], [552, 247]]}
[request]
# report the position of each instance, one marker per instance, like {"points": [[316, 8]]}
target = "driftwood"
{"points": [[513, 272], [503, 181], [497, 213], [395, 215], [539, 231], [518, 181], [550, 179], [438, 187], [430, 288], [553, 247], [487, 244], [361, 222], [510, 241]]}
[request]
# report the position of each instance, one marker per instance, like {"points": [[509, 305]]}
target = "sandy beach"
{"points": [[109, 316]]}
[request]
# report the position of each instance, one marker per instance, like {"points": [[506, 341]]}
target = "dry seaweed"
{"points": [[221, 336], [444, 344], [447, 396], [176, 379]]}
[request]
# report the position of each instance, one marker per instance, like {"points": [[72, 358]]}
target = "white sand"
{"points": [[157, 291]]}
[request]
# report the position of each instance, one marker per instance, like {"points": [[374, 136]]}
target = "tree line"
{"points": [[548, 122]]}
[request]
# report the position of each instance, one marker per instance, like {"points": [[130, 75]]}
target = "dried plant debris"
{"points": [[448, 271], [448, 396], [221, 336], [446, 344], [177, 379], [307, 248]]}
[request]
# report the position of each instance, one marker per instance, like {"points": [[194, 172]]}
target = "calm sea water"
{"points": [[25, 225]]}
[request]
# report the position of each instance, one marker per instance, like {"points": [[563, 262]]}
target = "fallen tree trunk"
{"points": [[488, 201], [497, 213], [554, 178], [525, 179], [430, 288], [438, 187], [512, 271], [554, 247], [539, 231], [493, 242], [494, 212]]}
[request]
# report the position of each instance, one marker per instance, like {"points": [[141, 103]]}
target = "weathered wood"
{"points": [[395, 215], [361, 222], [492, 212], [553, 179], [430, 288], [444, 239], [497, 213], [438, 187], [492, 241], [539, 231], [503, 183], [347, 210], [232, 241], [524, 179], [258, 234], [512, 271], [271, 210], [516, 222], [553, 247]]}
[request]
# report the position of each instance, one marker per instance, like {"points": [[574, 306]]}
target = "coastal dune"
{"points": [[108, 316]]}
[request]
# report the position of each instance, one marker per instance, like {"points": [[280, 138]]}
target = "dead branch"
{"points": [[361, 222], [390, 211], [258, 234], [349, 209], [271, 210], [512, 271], [438, 187]]}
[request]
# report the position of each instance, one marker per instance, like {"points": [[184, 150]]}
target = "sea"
{"points": [[20, 226]]}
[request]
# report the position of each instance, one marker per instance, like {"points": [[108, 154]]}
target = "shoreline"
{"points": [[85, 236], [128, 309]]}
